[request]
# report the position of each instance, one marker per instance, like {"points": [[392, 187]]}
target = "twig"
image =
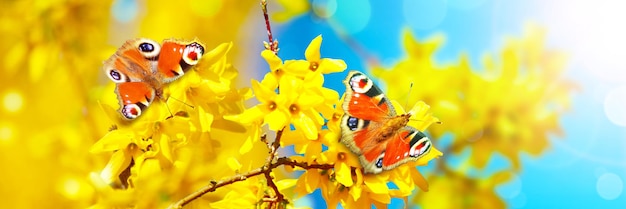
{"points": [[265, 169], [270, 159], [272, 44]]}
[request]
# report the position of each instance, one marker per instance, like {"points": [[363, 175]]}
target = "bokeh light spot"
{"points": [[609, 186], [124, 11], [424, 14], [13, 101], [352, 15], [615, 106], [324, 8], [71, 188], [206, 8]]}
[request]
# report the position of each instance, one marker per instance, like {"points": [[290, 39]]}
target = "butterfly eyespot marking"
{"points": [[116, 76], [379, 161], [355, 124], [352, 123], [149, 48], [146, 47], [131, 111], [192, 53], [359, 83]]}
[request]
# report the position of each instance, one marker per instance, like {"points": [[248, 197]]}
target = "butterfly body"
{"points": [[373, 131], [142, 67]]}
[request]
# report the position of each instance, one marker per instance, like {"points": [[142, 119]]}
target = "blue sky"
{"points": [[584, 169]]}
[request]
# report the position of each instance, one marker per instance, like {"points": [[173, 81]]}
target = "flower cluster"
{"points": [[292, 95], [51, 58], [160, 156], [167, 152]]}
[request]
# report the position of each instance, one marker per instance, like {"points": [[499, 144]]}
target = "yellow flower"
{"points": [[311, 180], [314, 62], [276, 69], [129, 149], [242, 195], [310, 148], [292, 105]]}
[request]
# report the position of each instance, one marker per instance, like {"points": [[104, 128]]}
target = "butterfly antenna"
{"points": [[437, 122], [408, 96], [168, 107], [188, 105]]}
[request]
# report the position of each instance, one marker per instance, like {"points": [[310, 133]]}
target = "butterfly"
{"points": [[373, 130], [141, 68]]}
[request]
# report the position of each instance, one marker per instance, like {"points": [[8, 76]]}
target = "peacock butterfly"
{"points": [[141, 67], [373, 130]]}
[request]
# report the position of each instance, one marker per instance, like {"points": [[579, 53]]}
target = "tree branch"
{"points": [[266, 169], [272, 44]]}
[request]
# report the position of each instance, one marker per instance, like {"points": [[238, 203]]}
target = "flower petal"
{"points": [[343, 174], [277, 119], [118, 162], [272, 60], [114, 140], [311, 180], [306, 101], [285, 184], [248, 116], [328, 65], [419, 180], [299, 68], [312, 52], [376, 184], [211, 57], [263, 93]]}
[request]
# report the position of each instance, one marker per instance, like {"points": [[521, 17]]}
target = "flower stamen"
{"points": [[293, 109], [271, 105], [313, 66], [341, 156]]}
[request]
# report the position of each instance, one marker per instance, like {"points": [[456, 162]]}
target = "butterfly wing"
{"points": [[365, 107], [409, 144], [141, 67], [134, 98], [132, 68], [364, 100], [372, 130], [177, 57]]}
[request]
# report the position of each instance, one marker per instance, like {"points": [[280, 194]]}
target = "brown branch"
{"points": [[266, 169], [214, 185], [268, 164], [272, 44]]}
